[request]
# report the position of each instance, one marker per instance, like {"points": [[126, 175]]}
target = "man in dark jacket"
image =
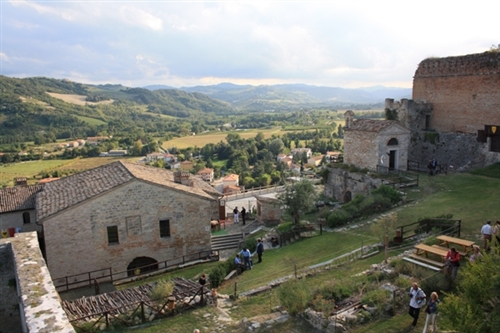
{"points": [[260, 249]]}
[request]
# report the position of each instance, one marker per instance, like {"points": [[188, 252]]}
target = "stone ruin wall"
{"points": [[460, 95], [464, 91], [341, 182]]}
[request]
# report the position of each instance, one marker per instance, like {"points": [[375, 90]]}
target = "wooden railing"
{"points": [[92, 278], [447, 226]]}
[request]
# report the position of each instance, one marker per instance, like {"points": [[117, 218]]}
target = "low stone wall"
{"points": [[39, 301]]}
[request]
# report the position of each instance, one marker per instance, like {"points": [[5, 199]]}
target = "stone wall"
{"points": [[464, 91], [39, 302], [268, 209], [457, 151], [343, 185], [76, 239]]}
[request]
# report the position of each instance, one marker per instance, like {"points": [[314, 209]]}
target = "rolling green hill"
{"points": [[44, 109]]}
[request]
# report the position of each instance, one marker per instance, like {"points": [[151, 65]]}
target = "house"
{"points": [[122, 216], [375, 144], [288, 161], [315, 160], [17, 208], [95, 140], [231, 189], [153, 157], [186, 165], [231, 179], [333, 156], [207, 174], [117, 152], [301, 151]]}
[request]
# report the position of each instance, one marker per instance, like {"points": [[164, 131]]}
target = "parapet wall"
{"points": [[486, 63], [39, 302]]}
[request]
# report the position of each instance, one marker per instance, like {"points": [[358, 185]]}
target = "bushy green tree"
{"points": [[298, 198], [475, 306]]}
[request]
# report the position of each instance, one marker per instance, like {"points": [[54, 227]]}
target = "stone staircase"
{"points": [[225, 242]]}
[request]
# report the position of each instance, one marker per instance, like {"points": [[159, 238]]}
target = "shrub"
{"points": [[294, 296], [251, 244], [388, 192], [338, 217], [376, 297], [219, 272], [161, 291]]}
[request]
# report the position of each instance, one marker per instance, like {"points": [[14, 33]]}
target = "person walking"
{"points": [[236, 213], [486, 231], [243, 214], [260, 249], [416, 301], [432, 311], [453, 262]]}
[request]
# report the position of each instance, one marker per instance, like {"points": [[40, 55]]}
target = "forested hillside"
{"points": [[30, 112]]}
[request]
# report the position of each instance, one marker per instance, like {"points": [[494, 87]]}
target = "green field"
{"points": [[31, 169], [201, 140]]}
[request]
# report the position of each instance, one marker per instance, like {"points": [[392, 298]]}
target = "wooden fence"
{"points": [[94, 278]]}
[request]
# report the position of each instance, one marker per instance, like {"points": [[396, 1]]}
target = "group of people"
{"points": [[237, 213], [417, 301], [243, 259], [488, 231]]}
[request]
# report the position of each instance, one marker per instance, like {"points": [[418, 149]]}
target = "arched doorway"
{"points": [[347, 196], [144, 264]]}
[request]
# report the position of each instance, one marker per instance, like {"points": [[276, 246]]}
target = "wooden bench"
{"points": [[234, 272], [426, 249], [465, 244], [462, 253], [431, 262]]}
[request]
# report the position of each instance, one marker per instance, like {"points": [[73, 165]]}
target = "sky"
{"points": [[348, 44]]}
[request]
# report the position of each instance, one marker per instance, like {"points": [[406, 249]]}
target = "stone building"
{"points": [[454, 115], [369, 143], [123, 216], [17, 208], [268, 209]]}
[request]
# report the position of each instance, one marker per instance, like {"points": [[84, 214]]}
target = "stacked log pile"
{"points": [[121, 301]]}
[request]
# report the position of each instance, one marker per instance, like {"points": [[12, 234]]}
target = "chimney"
{"points": [[20, 181], [183, 177], [348, 115]]}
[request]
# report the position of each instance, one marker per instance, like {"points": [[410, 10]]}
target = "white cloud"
{"points": [[334, 43]]}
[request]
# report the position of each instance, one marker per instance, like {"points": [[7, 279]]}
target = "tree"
{"points": [[475, 306], [298, 198], [382, 228], [276, 146]]}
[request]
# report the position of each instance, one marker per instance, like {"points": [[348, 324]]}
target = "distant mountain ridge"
{"points": [[293, 95]]}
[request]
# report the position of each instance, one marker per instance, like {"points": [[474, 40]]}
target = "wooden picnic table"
{"points": [[426, 249], [446, 240]]}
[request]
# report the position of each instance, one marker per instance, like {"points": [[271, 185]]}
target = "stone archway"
{"points": [[144, 264], [347, 196]]}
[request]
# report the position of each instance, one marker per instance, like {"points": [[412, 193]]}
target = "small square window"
{"points": [[113, 235], [164, 228]]}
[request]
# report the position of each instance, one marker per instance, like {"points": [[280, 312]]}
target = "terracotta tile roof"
{"points": [[371, 125], [231, 177], [18, 198], [205, 170], [66, 192]]}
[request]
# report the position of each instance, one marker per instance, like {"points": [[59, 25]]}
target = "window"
{"points": [[164, 228], [113, 235], [26, 218], [393, 142]]}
